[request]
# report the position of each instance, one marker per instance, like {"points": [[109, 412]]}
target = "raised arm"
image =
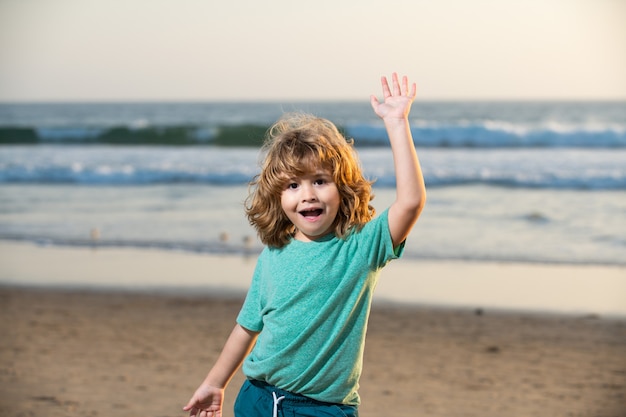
{"points": [[410, 188], [209, 397]]}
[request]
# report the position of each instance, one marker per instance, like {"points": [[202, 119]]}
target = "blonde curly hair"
{"points": [[295, 145]]}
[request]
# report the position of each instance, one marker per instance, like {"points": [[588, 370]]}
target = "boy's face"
{"points": [[311, 202]]}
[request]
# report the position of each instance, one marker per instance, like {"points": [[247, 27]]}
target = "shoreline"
{"points": [[127, 332], [561, 289]]}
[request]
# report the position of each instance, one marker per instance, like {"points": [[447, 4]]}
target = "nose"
{"points": [[308, 193]]}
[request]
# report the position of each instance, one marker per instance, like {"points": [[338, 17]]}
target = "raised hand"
{"points": [[397, 100], [410, 189]]}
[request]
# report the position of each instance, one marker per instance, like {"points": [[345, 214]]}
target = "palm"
{"points": [[397, 100]]}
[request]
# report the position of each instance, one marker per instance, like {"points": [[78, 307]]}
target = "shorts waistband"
{"points": [[289, 397]]}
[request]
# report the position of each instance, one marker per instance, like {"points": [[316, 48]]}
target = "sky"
{"points": [[207, 50]]}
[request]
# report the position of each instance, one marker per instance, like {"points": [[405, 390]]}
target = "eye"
{"points": [[323, 179], [292, 185]]}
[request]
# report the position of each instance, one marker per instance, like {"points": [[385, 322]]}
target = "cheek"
{"points": [[335, 200], [286, 200]]}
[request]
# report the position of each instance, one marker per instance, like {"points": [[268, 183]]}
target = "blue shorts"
{"points": [[259, 399]]}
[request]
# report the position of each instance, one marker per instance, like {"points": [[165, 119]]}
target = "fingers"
{"points": [[213, 414], [413, 92], [374, 102], [195, 409], [195, 412], [396, 85], [397, 98], [405, 87], [385, 84], [398, 89]]}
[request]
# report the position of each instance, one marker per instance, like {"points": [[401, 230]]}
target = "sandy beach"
{"points": [[132, 351]]}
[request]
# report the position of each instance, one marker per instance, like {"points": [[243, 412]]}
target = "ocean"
{"points": [[536, 182]]}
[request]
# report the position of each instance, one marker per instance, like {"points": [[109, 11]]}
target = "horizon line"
{"points": [[306, 100]]}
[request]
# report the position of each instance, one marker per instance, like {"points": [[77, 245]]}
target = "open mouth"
{"points": [[311, 213]]}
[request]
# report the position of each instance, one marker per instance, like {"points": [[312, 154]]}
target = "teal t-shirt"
{"points": [[310, 301]]}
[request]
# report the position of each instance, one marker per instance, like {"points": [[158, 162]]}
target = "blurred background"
{"points": [[137, 124]]}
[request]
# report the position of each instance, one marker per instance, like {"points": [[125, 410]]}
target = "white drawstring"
{"points": [[277, 401]]}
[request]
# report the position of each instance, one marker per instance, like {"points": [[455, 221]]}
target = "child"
{"points": [[301, 331]]}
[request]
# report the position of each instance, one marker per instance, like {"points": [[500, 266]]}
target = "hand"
{"points": [[207, 401], [396, 101]]}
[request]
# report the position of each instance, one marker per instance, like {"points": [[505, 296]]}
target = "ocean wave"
{"points": [[136, 134], [462, 134], [575, 169], [500, 134]]}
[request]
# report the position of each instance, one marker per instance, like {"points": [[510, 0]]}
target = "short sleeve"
{"points": [[375, 237]]}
